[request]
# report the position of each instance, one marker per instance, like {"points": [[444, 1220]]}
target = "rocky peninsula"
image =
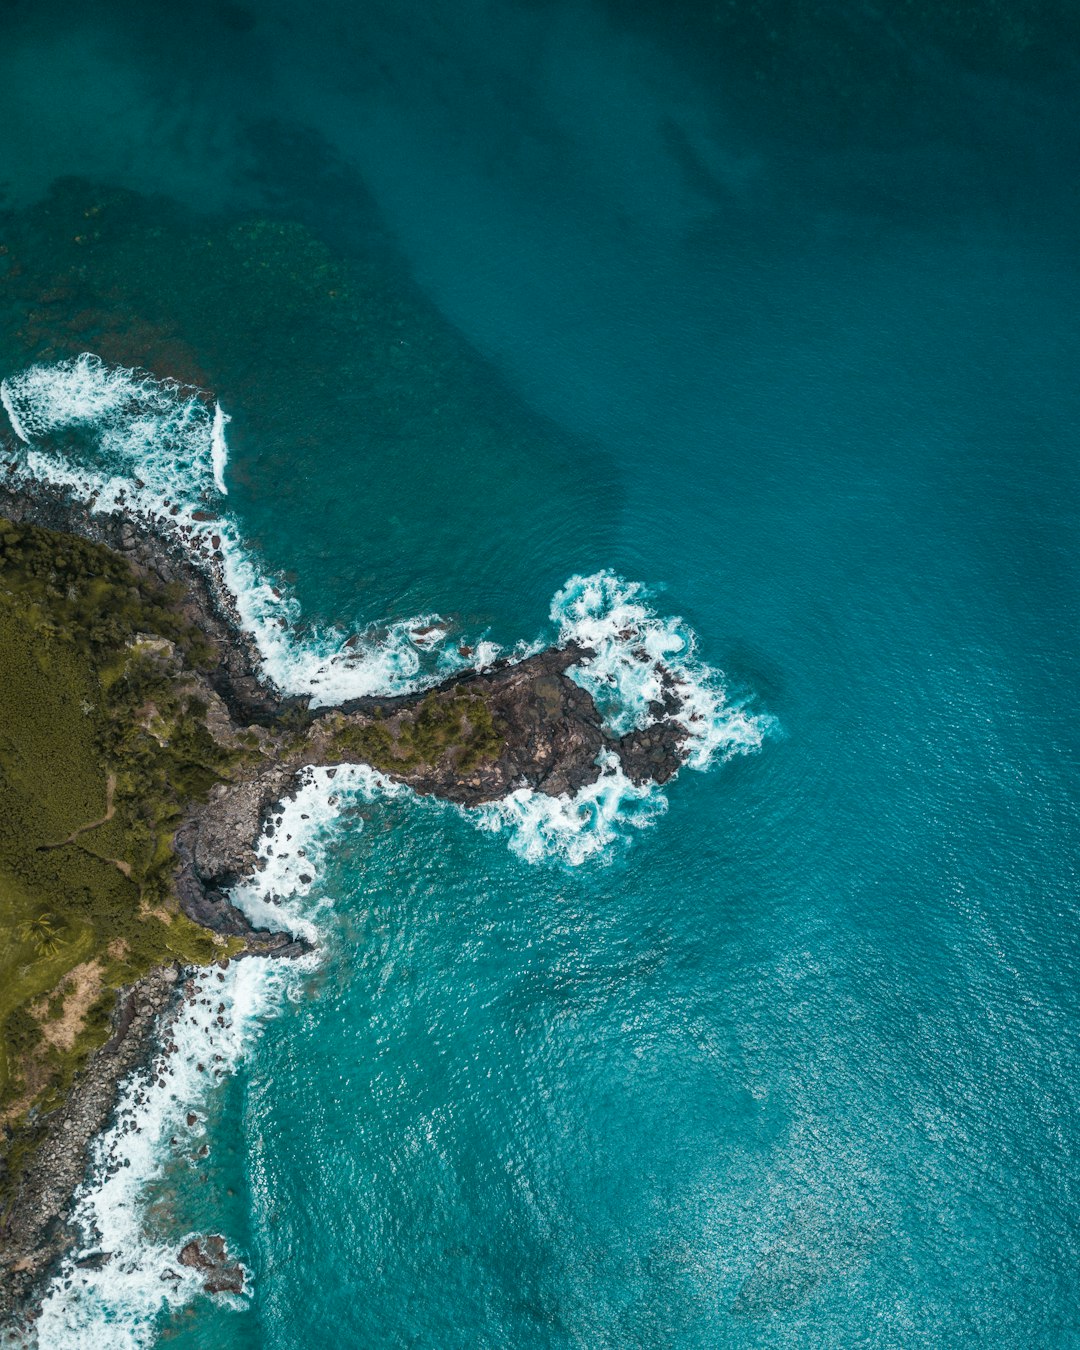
{"points": [[180, 750]]}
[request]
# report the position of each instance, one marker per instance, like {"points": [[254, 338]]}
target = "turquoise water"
{"points": [[796, 1065]]}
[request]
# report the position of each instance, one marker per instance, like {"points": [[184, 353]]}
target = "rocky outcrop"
{"points": [[548, 726], [214, 848], [653, 754], [551, 729], [210, 1257], [475, 738], [203, 600]]}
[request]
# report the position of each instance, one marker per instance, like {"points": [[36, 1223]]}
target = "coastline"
{"points": [[476, 737], [35, 1235]]}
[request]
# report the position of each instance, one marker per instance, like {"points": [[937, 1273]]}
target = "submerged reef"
{"points": [[141, 754]]}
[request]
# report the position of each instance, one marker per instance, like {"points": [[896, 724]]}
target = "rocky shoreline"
{"points": [[33, 1234], [474, 738]]}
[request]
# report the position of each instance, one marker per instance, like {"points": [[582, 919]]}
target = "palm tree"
{"points": [[42, 932]]}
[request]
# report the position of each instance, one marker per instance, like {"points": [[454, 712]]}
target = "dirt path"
{"points": [[73, 837], [110, 811]]}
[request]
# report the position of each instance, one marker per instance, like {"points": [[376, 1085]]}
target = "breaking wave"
{"points": [[219, 450], [123, 440], [645, 667], [120, 439], [574, 827]]}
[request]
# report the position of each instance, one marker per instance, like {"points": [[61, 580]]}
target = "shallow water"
{"points": [[795, 1064]]}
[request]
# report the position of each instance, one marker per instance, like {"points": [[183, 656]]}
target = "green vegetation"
{"points": [[102, 744], [460, 725]]}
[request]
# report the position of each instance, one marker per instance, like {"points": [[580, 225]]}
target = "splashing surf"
{"points": [[219, 450], [122, 440], [645, 667], [578, 827], [154, 449]]}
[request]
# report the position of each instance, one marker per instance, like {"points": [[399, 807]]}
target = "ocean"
{"points": [[756, 333]]}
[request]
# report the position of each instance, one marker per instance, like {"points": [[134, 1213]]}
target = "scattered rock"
{"points": [[95, 1261]]}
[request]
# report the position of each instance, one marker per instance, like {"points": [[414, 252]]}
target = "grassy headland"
{"points": [[102, 744], [457, 725]]}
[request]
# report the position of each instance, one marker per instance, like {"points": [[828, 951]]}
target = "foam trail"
{"points": [[152, 448], [643, 667], [115, 1308], [13, 416], [219, 451]]}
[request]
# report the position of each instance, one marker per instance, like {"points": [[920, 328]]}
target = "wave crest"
{"points": [[115, 1307], [645, 667], [124, 441], [574, 828]]}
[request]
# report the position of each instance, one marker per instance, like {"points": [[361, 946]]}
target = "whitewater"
{"points": [[123, 440]]}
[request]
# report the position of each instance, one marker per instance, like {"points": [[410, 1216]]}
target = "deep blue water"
{"points": [[796, 1066]]}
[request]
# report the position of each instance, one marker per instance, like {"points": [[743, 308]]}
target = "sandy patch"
{"points": [[80, 988]]}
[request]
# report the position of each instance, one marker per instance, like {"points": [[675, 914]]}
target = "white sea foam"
{"points": [[85, 390], [153, 449], [219, 451], [114, 1308], [574, 827], [118, 1306], [639, 657], [13, 416], [292, 852]]}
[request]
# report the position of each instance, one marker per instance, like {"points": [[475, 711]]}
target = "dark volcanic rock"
{"points": [[553, 732], [653, 755], [549, 725], [210, 1256], [96, 1261], [206, 602], [32, 1234]]}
